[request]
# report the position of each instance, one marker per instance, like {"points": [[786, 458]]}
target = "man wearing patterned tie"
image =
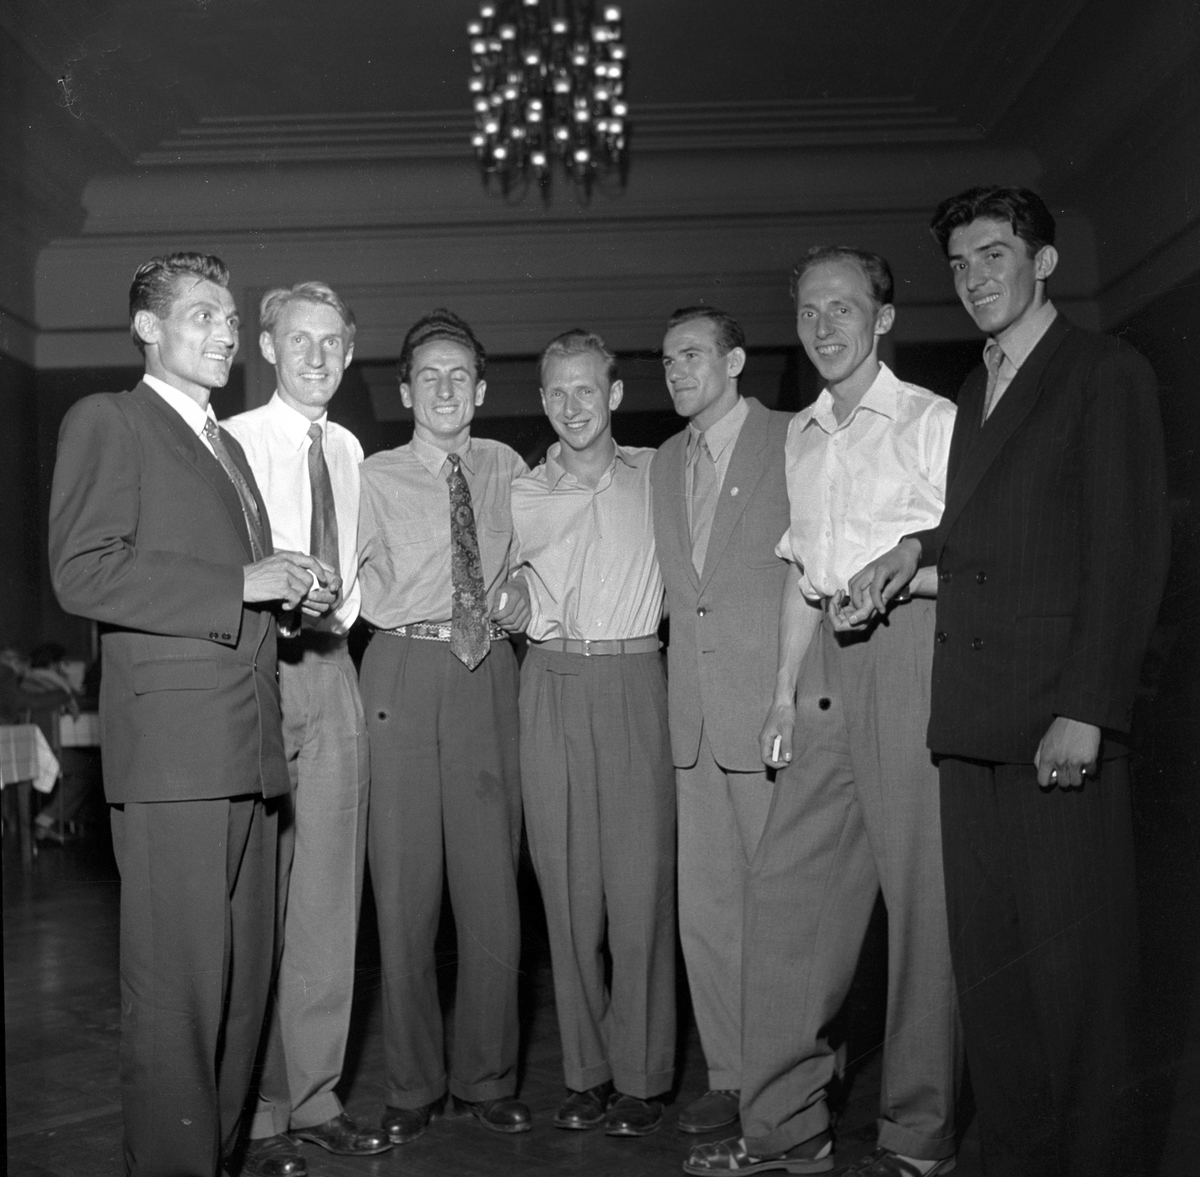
{"points": [[439, 686], [158, 532], [307, 469]]}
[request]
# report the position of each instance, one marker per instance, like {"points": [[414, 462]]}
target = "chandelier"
{"points": [[547, 83]]}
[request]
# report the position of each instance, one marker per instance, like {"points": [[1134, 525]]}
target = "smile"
{"points": [[982, 302], [830, 349]]}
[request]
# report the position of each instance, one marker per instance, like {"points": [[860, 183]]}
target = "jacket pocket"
{"points": [[175, 674]]}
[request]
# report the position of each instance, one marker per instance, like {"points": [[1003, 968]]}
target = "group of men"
{"points": [[904, 643]]}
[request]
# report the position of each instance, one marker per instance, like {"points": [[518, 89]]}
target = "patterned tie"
{"points": [[469, 640], [258, 548], [704, 500], [993, 357], [323, 534]]}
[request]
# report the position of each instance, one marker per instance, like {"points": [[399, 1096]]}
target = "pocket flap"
{"points": [[175, 674]]}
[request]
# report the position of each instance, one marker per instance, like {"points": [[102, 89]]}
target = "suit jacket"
{"points": [[724, 647], [148, 538], [1052, 550]]}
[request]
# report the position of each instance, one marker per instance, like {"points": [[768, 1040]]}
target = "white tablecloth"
{"points": [[25, 756]]}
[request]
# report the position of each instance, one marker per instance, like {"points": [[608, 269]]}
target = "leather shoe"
{"points": [[585, 1109], [405, 1124], [814, 1155], [712, 1111], [629, 1116], [274, 1156], [500, 1115], [343, 1136]]}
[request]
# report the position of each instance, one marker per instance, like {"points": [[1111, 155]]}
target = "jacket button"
{"points": [[946, 576], [940, 635], [823, 702], [980, 577], [225, 637], [977, 643], [701, 611]]}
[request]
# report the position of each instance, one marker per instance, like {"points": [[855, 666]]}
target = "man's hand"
{"points": [[844, 617], [295, 579], [874, 586], [1067, 753], [775, 739], [511, 610]]}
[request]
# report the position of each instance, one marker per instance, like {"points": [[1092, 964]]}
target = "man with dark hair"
{"points": [[720, 504], [855, 806], [439, 685], [595, 762], [159, 533], [1052, 554], [307, 468]]}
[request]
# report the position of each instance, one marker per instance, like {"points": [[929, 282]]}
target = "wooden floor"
{"points": [[61, 1006]]}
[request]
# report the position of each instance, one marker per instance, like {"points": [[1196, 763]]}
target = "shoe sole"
{"points": [[626, 1130], [702, 1129], [576, 1125], [345, 1152], [783, 1165]]}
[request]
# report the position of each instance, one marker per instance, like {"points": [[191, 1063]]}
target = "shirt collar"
{"points": [[293, 424], [1021, 338], [434, 459], [555, 471], [721, 435], [193, 415], [882, 398]]}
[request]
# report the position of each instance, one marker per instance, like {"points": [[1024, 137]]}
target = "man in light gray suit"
{"points": [[720, 505]]}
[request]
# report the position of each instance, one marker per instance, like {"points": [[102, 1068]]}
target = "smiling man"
{"points": [[307, 468], [439, 685], [595, 763], [855, 807], [1052, 553], [158, 532]]}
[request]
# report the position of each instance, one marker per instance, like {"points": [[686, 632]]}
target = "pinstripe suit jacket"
{"points": [[1052, 550]]}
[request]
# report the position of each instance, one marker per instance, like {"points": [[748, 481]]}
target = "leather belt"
{"points": [[437, 631], [590, 649]]}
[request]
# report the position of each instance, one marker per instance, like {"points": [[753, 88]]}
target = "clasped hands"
{"points": [[295, 579]]}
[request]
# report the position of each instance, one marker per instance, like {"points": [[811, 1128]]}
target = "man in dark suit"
{"points": [[1052, 554], [720, 506], [158, 532]]}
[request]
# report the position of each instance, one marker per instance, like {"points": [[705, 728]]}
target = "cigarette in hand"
{"points": [[502, 602], [775, 747], [316, 584]]}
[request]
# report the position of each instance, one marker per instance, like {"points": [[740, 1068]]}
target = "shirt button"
{"points": [[940, 635], [946, 577], [980, 577], [701, 611], [977, 643]]}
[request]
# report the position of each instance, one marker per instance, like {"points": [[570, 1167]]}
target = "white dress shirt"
{"points": [[1017, 342], [856, 489], [193, 415], [275, 439]]}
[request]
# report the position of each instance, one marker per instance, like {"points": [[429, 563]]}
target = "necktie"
{"points": [[704, 500], [323, 534], [993, 357], [249, 506], [469, 640]]}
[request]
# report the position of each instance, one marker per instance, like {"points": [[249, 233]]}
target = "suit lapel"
{"points": [[990, 437], [745, 471], [193, 450]]}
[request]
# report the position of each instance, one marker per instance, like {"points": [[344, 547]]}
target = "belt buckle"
{"points": [[587, 647]]}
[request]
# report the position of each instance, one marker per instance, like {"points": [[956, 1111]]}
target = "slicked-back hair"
{"points": [[577, 342], [728, 330], [274, 302], [876, 270], [440, 324], [1021, 208], [154, 283]]}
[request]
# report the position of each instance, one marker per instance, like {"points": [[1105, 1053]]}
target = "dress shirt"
{"points": [[1017, 342], [588, 553], [275, 438], [404, 527], [193, 415], [720, 439], [857, 488]]}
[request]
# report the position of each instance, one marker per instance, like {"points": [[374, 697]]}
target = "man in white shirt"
{"points": [[856, 795], [307, 469]]}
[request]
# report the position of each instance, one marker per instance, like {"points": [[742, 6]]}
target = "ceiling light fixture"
{"points": [[548, 82]]}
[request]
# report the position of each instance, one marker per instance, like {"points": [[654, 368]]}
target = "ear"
{"points": [[884, 318], [1045, 261], [480, 389], [736, 358], [616, 390], [266, 345], [146, 324], [405, 396]]}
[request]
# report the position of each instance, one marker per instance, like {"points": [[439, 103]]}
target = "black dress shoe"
{"points": [[629, 1116], [274, 1156], [405, 1124], [713, 1111], [343, 1136], [584, 1109], [500, 1115]]}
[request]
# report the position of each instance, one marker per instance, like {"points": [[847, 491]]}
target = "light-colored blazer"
{"points": [[724, 646]]}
